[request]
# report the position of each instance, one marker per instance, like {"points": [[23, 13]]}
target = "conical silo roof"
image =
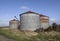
{"points": [[29, 12]]}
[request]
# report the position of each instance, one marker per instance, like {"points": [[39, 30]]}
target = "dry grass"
{"points": [[31, 36]]}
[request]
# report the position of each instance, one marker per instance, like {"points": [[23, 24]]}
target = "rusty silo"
{"points": [[44, 21], [13, 24], [29, 21]]}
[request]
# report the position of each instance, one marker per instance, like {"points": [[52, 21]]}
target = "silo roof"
{"points": [[14, 20], [43, 15], [29, 12]]}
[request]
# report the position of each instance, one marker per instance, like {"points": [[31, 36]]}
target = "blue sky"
{"points": [[11, 8]]}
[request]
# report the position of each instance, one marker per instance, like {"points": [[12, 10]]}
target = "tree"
{"points": [[54, 26]]}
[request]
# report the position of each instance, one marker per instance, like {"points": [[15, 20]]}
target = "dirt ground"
{"points": [[3, 38]]}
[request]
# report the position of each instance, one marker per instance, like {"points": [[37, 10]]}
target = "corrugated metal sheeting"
{"points": [[29, 22], [13, 24], [32, 21], [44, 22]]}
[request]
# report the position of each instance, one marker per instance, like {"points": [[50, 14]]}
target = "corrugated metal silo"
{"points": [[13, 24], [29, 21], [44, 21]]}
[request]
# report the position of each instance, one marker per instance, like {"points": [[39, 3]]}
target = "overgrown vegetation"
{"points": [[20, 36], [50, 35]]}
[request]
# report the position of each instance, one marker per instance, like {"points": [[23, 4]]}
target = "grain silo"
{"points": [[44, 21], [13, 24], [29, 21]]}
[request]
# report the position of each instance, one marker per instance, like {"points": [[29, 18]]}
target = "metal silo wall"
{"points": [[29, 22], [13, 24], [45, 25]]}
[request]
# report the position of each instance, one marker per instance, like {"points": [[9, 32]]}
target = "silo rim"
{"points": [[28, 12], [43, 15], [13, 20]]}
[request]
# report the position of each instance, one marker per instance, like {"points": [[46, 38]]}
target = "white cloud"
{"points": [[24, 8], [53, 20]]}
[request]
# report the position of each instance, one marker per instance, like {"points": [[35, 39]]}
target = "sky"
{"points": [[11, 8]]}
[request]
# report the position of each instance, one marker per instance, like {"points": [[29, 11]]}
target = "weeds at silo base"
{"points": [[42, 36]]}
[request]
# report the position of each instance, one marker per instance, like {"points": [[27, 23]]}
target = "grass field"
{"points": [[22, 36]]}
